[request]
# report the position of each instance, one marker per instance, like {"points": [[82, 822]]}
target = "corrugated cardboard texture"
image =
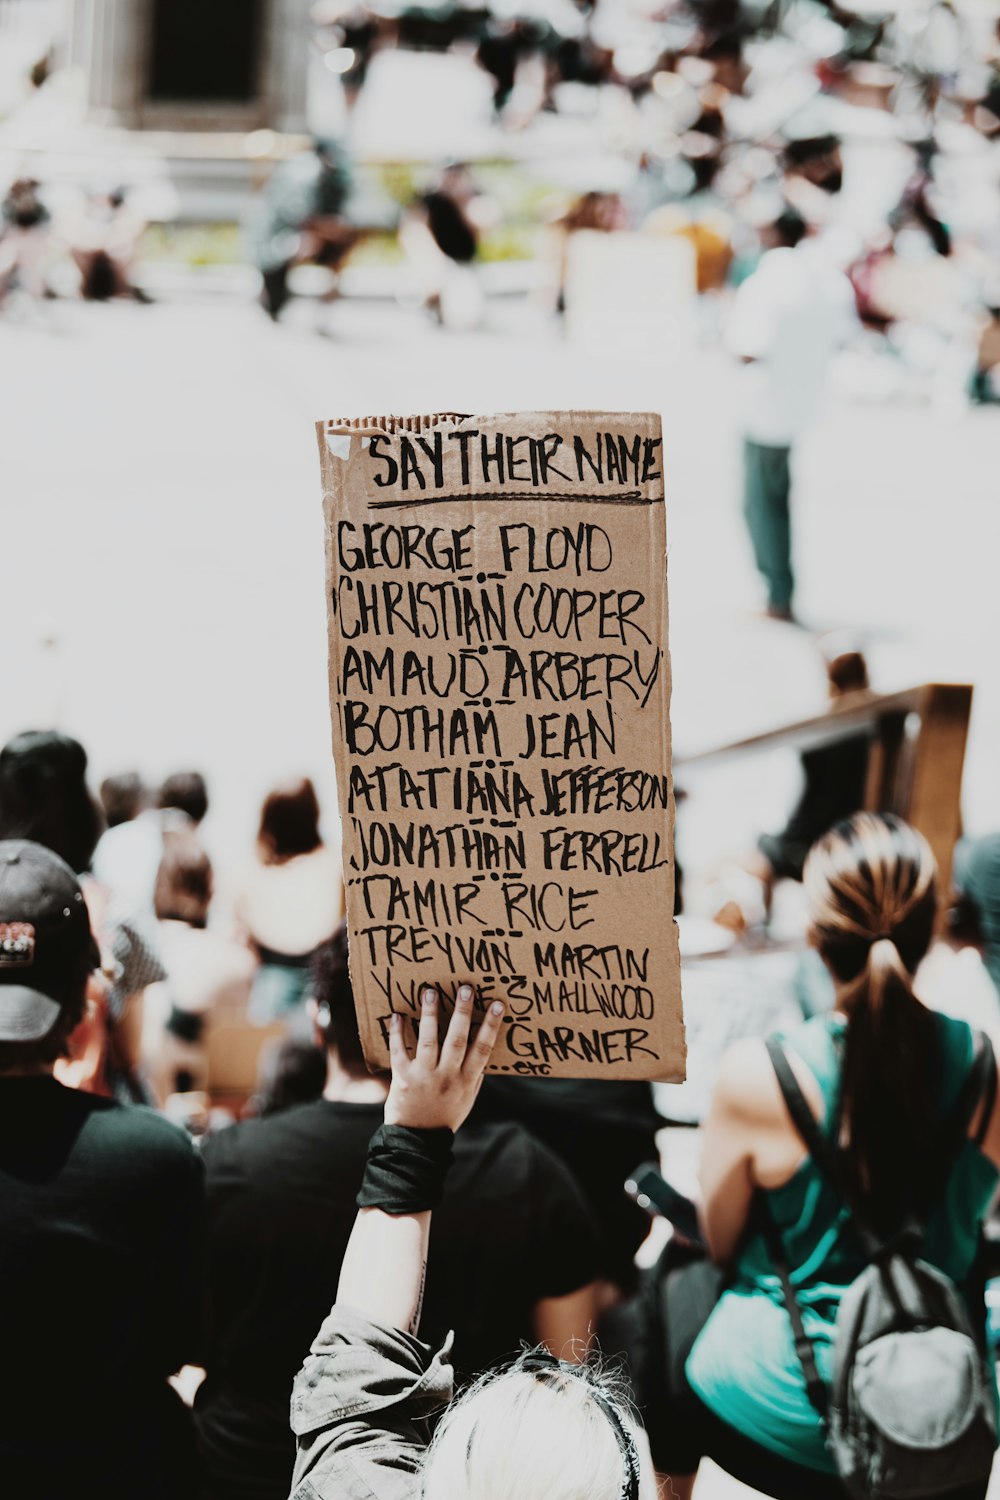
{"points": [[500, 692]]}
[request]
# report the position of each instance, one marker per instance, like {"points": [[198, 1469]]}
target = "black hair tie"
{"points": [[406, 1169], [541, 1363]]}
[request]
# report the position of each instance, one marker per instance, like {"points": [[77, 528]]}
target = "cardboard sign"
{"points": [[500, 689]]}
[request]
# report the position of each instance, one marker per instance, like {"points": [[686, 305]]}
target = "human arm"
{"points": [[748, 1141], [565, 1325], [563, 1260], [362, 1400], [386, 1261], [725, 1170]]}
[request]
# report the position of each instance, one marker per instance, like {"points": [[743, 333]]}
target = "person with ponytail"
{"points": [[884, 1076]]}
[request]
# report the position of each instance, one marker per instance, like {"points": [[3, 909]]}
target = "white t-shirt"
{"points": [[127, 858], [789, 317]]}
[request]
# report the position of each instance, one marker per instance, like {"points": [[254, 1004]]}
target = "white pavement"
{"points": [[163, 582]]}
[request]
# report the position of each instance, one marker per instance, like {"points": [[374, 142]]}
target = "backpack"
{"points": [[911, 1412]]}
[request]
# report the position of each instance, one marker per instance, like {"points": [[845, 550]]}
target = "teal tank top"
{"points": [[743, 1364]]}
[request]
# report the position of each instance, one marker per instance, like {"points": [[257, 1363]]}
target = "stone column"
{"points": [[286, 65], [108, 41]]}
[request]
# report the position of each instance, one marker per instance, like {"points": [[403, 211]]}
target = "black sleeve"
{"points": [[565, 1252], [181, 1305], [225, 1291]]}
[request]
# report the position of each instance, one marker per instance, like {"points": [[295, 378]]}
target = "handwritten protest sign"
{"points": [[500, 687]]}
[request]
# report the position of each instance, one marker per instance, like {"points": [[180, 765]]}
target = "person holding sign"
{"points": [[514, 1258], [369, 1394]]}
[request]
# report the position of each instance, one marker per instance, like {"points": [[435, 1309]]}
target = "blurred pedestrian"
{"points": [[123, 797], [288, 899], [441, 237], [208, 975], [104, 243], [984, 383], [299, 218], [129, 854], [788, 319], [25, 228]]}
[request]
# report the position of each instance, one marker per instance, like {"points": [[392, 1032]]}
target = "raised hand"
{"points": [[438, 1085]]}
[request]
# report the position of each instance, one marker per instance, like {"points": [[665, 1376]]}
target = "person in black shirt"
{"points": [[101, 1230], [602, 1130], [513, 1254], [833, 775]]}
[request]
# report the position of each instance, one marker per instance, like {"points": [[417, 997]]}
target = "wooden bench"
{"points": [[915, 764]]}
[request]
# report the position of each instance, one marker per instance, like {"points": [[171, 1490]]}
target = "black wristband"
{"points": [[406, 1169]]}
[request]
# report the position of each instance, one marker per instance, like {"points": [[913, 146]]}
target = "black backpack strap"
{"points": [[805, 1352], [818, 1143], [985, 1064], [805, 1122], [822, 1153]]}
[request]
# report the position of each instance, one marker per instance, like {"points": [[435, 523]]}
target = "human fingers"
{"points": [[427, 1032], [479, 1052], [457, 1038], [398, 1056]]}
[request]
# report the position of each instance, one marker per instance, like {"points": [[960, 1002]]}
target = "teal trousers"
{"points": [[766, 483]]}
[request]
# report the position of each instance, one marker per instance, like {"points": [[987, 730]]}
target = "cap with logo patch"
{"points": [[45, 939]]}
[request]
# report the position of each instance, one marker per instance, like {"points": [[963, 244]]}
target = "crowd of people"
{"points": [[100, 238], [879, 132], [238, 1263], [273, 1244], [723, 116]]}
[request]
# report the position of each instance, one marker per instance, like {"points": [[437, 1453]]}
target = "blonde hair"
{"points": [[871, 886], [513, 1436]]}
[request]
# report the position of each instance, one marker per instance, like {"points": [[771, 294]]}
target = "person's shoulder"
{"points": [[957, 1038], [508, 1153], [286, 1134], [493, 1139], [236, 1142], [745, 1084], [139, 1129]]}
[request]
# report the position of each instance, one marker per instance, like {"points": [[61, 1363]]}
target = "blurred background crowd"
{"points": [[448, 154], [778, 224]]}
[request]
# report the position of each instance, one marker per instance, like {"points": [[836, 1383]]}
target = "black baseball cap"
{"points": [[46, 944]]}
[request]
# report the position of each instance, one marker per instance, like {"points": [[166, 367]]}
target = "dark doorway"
{"points": [[206, 51]]}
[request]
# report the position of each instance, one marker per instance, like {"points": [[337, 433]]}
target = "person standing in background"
{"points": [[288, 900], [208, 975], [127, 859], [788, 319]]}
